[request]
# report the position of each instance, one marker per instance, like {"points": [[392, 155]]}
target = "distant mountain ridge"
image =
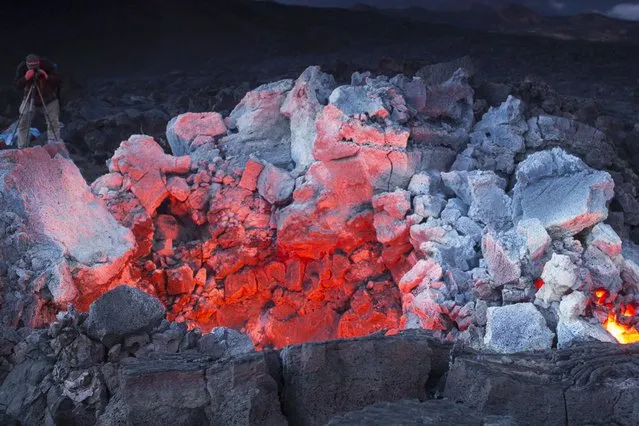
{"points": [[519, 19]]}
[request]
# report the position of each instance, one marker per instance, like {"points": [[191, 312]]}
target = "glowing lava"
{"points": [[624, 334]]}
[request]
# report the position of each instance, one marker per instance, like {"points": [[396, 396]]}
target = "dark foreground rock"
{"points": [[595, 383], [416, 413], [165, 374], [326, 379], [191, 389], [108, 322]]}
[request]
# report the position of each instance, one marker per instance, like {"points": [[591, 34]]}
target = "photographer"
{"points": [[40, 82]]}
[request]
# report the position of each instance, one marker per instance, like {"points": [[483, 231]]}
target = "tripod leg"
{"points": [[53, 128], [23, 111], [24, 129]]}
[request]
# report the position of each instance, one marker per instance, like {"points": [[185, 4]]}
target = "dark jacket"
{"points": [[49, 88]]}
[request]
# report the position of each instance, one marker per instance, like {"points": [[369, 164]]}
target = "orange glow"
{"points": [[601, 295], [629, 311], [624, 334]]}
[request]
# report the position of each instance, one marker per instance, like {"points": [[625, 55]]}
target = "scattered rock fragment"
{"points": [[517, 328]]}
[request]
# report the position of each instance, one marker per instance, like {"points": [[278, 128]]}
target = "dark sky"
{"points": [[616, 8]]}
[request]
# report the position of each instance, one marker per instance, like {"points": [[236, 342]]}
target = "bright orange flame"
{"points": [[624, 334], [629, 311]]}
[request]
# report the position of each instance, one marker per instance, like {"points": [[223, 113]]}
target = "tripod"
{"points": [[28, 105]]}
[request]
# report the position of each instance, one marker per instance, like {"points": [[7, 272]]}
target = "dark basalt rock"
{"points": [[122, 312], [322, 380], [593, 383]]}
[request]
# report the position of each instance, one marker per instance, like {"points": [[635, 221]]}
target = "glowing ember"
{"points": [[539, 283], [624, 334], [629, 311], [601, 295]]}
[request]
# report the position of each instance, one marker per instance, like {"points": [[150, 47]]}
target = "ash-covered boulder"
{"points": [[144, 165], [466, 226], [60, 245], [483, 192], [444, 244], [187, 132], [225, 342], [517, 328], [438, 73], [352, 100], [589, 143], [424, 184], [275, 185], [447, 116], [573, 328], [605, 271], [537, 239], [497, 138], [503, 253], [414, 91], [360, 152], [123, 312], [605, 239], [428, 205], [562, 192], [257, 126], [302, 105], [559, 276]]}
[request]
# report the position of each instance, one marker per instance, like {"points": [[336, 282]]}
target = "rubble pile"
{"points": [[315, 211], [69, 372]]}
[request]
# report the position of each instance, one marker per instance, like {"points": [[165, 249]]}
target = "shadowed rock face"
{"points": [[163, 374], [570, 386]]}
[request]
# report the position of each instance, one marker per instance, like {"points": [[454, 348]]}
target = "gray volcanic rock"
{"points": [[562, 192], [593, 383], [60, 245], [517, 328], [194, 390], [258, 127], [122, 312], [302, 105], [499, 136], [484, 192], [327, 379], [225, 342], [186, 132], [589, 143], [411, 413]]}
